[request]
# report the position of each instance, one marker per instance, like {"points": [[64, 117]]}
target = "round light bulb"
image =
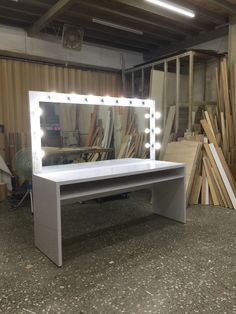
{"points": [[157, 146], [147, 115], [42, 153], [40, 111], [41, 133], [157, 130], [147, 145], [147, 130], [157, 115]]}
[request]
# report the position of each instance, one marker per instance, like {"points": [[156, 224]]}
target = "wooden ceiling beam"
{"points": [[200, 11], [229, 7], [101, 9], [150, 31], [50, 15], [152, 8], [166, 50], [122, 34], [107, 43], [115, 39]]}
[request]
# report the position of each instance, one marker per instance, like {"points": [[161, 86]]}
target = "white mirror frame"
{"points": [[35, 98]]}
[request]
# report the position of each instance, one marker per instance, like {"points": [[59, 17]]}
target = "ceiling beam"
{"points": [[101, 9], [152, 8], [123, 34], [107, 43], [117, 40], [225, 5], [50, 15], [163, 51], [149, 31], [203, 12]]}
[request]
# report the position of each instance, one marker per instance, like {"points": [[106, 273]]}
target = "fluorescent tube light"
{"points": [[118, 26], [173, 7]]}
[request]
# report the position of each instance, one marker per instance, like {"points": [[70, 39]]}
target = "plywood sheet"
{"points": [[187, 152]]}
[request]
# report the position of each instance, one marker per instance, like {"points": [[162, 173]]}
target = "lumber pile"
{"points": [[133, 146], [210, 153], [133, 142], [209, 180], [222, 124], [99, 136]]}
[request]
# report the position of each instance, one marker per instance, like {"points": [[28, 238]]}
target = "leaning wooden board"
{"points": [[187, 152]]}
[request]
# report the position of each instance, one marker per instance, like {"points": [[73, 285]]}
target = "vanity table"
{"points": [[64, 184]]}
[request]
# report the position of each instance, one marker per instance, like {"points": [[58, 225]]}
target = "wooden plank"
{"points": [[195, 193], [223, 175], [225, 143], [211, 182], [92, 126], [226, 169], [208, 132], [224, 194], [205, 188], [167, 131], [186, 152]]}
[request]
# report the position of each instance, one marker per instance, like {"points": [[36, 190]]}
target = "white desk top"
{"points": [[99, 170]]}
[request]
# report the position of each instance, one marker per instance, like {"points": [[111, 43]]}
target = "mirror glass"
{"points": [[83, 133]]}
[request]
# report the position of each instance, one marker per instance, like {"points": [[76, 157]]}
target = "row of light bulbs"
{"points": [[147, 115]]}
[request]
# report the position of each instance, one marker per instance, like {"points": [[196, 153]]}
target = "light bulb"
{"points": [[157, 146], [157, 115], [147, 115], [147, 131], [157, 130], [41, 133], [147, 145], [40, 111], [42, 153]]}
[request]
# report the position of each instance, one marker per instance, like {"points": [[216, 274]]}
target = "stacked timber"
{"points": [[133, 142], [211, 166]]}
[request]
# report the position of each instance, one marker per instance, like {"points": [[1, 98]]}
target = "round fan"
{"points": [[22, 164]]}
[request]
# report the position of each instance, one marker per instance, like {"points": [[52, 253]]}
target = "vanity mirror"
{"points": [[70, 128]]}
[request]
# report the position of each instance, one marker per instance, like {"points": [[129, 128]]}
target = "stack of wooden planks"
{"points": [[99, 136], [222, 124], [133, 142], [209, 180], [133, 146], [211, 161]]}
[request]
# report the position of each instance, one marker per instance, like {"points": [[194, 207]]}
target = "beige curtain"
{"points": [[18, 77], [67, 116]]}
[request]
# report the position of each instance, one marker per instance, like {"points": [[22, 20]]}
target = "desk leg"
{"points": [[168, 199], [47, 219]]}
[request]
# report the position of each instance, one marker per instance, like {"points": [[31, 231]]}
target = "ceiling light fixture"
{"points": [[173, 7], [118, 26]]}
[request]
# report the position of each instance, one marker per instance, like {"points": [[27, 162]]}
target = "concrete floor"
{"points": [[119, 258]]}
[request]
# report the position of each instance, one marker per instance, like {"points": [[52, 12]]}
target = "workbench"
{"points": [[63, 184]]}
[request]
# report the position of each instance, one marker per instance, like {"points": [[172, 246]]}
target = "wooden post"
{"points": [[132, 84], [164, 106], [190, 95], [177, 94], [142, 83]]}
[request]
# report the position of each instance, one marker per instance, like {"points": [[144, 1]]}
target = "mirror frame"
{"points": [[36, 97]]}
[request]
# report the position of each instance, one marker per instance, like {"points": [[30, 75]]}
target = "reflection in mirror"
{"points": [[82, 133]]}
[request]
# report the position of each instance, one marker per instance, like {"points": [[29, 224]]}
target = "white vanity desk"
{"points": [[57, 185], [68, 184]]}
